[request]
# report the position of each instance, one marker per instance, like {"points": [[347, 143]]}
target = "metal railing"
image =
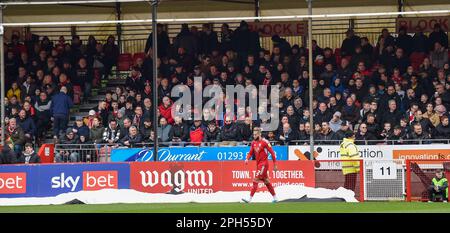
{"points": [[102, 152], [65, 153]]}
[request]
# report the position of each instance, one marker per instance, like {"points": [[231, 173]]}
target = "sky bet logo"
{"points": [[12, 183], [92, 180]]}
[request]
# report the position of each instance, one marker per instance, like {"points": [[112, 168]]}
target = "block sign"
{"points": [[292, 28], [423, 24]]}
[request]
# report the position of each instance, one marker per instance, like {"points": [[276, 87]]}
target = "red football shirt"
{"points": [[261, 148]]}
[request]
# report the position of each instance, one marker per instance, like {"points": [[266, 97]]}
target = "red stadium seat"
{"points": [[337, 52], [77, 94], [97, 77], [124, 62], [417, 59], [138, 55]]}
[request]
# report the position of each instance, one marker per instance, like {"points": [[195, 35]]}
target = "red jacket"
{"points": [[196, 135], [166, 113]]}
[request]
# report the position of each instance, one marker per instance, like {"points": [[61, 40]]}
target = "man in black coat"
{"points": [[349, 43], [132, 139], [7, 155], [418, 135], [287, 134], [29, 155], [179, 131], [404, 41], [326, 135], [392, 115], [163, 41], [229, 134], [323, 114], [400, 61], [426, 124], [438, 35], [442, 131], [212, 133], [363, 135]]}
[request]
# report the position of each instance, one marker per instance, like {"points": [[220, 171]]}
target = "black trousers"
{"points": [[432, 193]]}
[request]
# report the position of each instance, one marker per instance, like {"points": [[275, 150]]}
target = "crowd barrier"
{"points": [[328, 150]]}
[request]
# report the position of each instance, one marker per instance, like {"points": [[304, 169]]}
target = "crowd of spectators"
{"points": [[394, 89]]}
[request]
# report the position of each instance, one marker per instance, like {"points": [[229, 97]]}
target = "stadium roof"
{"points": [[228, 5], [204, 9]]}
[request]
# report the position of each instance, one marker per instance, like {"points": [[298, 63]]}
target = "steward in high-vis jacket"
{"points": [[349, 151], [439, 186]]}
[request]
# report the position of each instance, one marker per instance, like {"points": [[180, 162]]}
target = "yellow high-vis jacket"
{"points": [[349, 151]]}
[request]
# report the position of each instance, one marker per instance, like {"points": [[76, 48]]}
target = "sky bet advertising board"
{"points": [[51, 180], [188, 154]]}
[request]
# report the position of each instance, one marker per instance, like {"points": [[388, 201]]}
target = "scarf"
{"points": [[10, 131]]}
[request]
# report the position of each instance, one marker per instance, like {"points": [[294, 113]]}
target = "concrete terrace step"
{"points": [[103, 91], [87, 107], [78, 114], [115, 82], [96, 98]]}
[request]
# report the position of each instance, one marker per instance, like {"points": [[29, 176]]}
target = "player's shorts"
{"points": [[261, 171]]}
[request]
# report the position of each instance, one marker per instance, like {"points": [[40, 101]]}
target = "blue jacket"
{"points": [[27, 125], [61, 104], [82, 131], [335, 89]]}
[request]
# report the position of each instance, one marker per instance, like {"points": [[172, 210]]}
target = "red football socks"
{"points": [[270, 188], [254, 188]]}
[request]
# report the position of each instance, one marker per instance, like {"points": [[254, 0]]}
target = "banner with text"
{"points": [[210, 177], [423, 24], [53, 179], [189, 153], [291, 28], [375, 152]]}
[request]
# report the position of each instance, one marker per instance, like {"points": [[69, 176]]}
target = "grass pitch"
{"points": [[291, 207]]}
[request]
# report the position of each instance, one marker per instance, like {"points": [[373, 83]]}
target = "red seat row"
{"points": [[126, 60]]}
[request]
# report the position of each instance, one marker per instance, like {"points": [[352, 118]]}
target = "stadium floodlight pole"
{"points": [[154, 4], [310, 67], [2, 78]]}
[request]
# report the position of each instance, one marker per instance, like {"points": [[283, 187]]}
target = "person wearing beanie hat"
{"points": [[64, 154], [335, 122]]}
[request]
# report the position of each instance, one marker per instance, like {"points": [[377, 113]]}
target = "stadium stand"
{"points": [[382, 92]]}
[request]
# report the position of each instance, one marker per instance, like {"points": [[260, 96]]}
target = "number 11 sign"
{"points": [[384, 171]]}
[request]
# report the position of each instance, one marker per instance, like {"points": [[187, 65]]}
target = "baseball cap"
{"points": [[344, 123], [91, 113], [338, 114], [79, 118]]}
